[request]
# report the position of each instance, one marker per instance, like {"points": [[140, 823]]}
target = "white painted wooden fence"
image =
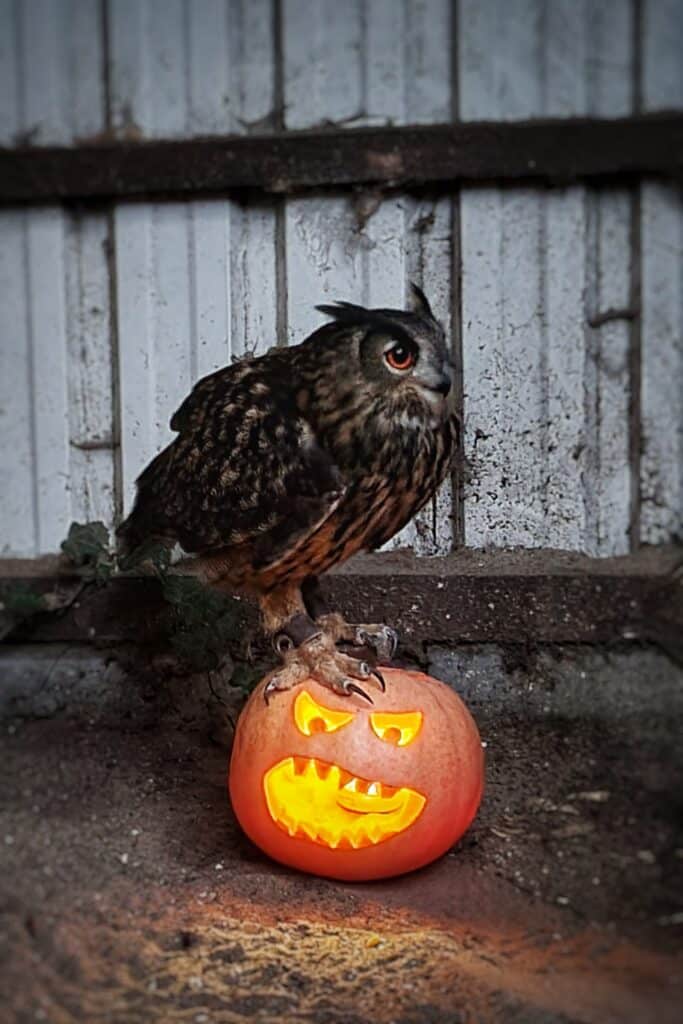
{"points": [[108, 316]]}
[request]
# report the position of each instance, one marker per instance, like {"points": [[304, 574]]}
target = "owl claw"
{"points": [[380, 677], [350, 688]]}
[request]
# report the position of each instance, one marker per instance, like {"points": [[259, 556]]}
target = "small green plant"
{"points": [[20, 602], [200, 625], [204, 623], [87, 548]]}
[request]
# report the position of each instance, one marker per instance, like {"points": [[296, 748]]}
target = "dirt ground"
{"points": [[129, 894]]}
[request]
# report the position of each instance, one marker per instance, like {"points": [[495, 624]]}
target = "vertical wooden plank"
{"points": [[17, 496], [180, 68], [587, 386], [605, 459], [170, 296], [322, 54], [149, 68], [45, 277], [252, 55], [129, 111], [565, 71], [211, 99], [9, 71], [501, 287], [133, 248], [89, 367], [546, 426], [210, 244], [60, 85], [83, 29], [230, 66], [253, 273], [44, 75], [662, 293], [608, 349], [54, 94]]}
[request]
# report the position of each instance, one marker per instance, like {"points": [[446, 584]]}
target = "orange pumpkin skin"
{"points": [[409, 803]]}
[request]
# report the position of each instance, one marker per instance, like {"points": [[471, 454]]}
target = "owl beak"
{"points": [[439, 382], [443, 384]]}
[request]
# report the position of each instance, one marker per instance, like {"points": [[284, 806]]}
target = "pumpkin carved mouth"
{"points": [[322, 802]]}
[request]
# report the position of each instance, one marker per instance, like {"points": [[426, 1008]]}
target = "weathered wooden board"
{"points": [[17, 476], [178, 68], [662, 293], [51, 70], [90, 366], [56, 460], [546, 395]]}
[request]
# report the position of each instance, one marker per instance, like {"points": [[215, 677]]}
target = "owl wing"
{"points": [[246, 467]]}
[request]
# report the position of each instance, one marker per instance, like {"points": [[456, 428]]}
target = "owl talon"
{"points": [[383, 686], [350, 688]]}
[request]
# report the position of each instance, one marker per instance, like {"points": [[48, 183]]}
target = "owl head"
{"points": [[400, 354]]}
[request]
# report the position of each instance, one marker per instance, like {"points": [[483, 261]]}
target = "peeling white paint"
{"points": [[662, 294], [546, 396]]}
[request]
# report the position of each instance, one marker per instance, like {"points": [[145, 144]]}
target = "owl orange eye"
{"points": [[400, 356]]}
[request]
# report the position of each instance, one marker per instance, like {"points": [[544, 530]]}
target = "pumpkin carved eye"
{"points": [[311, 717], [400, 728]]}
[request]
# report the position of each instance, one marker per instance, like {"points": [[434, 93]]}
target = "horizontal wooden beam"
{"points": [[550, 151], [515, 598]]}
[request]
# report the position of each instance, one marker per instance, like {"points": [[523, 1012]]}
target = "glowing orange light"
{"points": [[312, 717], [399, 727], [315, 800]]}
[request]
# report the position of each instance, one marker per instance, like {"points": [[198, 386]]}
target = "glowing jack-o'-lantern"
{"points": [[339, 787]]}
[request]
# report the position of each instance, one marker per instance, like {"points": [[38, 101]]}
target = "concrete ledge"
{"points": [[511, 598]]}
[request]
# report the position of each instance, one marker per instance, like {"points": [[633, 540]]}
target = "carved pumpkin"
{"points": [[338, 787]]}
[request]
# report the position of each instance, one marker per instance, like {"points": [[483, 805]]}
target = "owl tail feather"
{"points": [[145, 532]]}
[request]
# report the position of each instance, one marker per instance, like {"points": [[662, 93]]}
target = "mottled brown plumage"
{"points": [[287, 464]]}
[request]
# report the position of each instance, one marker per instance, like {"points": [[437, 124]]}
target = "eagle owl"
{"points": [[287, 464]]}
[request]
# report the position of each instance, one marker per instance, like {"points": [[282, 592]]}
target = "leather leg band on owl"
{"points": [[295, 632]]}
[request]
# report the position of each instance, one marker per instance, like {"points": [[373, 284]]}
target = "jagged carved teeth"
{"points": [[343, 779]]}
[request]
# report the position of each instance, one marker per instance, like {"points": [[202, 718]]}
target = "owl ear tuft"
{"points": [[347, 314], [345, 311], [420, 302]]}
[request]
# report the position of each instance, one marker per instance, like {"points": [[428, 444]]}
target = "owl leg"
{"points": [[374, 636], [306, 649]]}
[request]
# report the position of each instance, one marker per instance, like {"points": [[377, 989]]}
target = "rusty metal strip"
{"points": [[550, 151]]}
